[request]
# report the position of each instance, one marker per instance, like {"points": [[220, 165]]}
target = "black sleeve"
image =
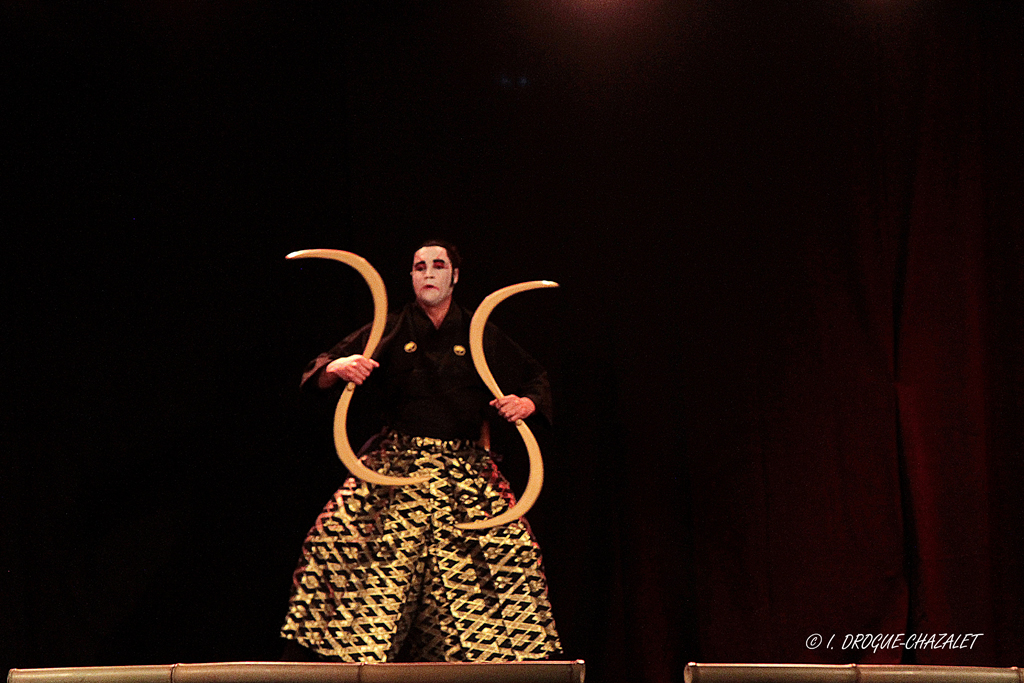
{"points": [[516, 372], [353, 343]]}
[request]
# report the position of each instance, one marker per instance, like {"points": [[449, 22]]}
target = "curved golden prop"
{"points": [[476, 349], [380, 315]]}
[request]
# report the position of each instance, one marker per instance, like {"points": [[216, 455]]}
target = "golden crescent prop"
{"points": [[380, 316], [476, 349]]}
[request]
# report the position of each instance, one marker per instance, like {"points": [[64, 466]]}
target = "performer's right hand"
{"points": [[352, 368]]}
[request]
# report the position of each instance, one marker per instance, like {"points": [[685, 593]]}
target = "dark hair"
{"points": [[453, 252]]}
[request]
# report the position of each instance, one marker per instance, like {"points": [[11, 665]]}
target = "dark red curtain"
{"points": [[853, 432]]}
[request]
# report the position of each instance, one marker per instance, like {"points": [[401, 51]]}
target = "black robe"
{"points": [[426, 384]]}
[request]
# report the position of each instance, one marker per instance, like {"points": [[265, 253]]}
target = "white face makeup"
{"points": [[432, 276]]}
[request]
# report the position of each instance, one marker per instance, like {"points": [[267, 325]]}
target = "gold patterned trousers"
{"points": [[385, 575]]}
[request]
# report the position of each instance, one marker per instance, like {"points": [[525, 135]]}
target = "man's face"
{"points": [[432, 276]]}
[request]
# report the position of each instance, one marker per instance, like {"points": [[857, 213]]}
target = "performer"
{"points": [[385, 574]]}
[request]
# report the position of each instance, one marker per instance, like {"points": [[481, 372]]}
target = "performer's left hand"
{"points": [[513, 408]]}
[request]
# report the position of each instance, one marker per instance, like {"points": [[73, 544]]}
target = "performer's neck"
{"points": [[438, 312]]}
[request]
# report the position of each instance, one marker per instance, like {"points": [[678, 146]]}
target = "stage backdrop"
{"points": [[787, 352]]}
